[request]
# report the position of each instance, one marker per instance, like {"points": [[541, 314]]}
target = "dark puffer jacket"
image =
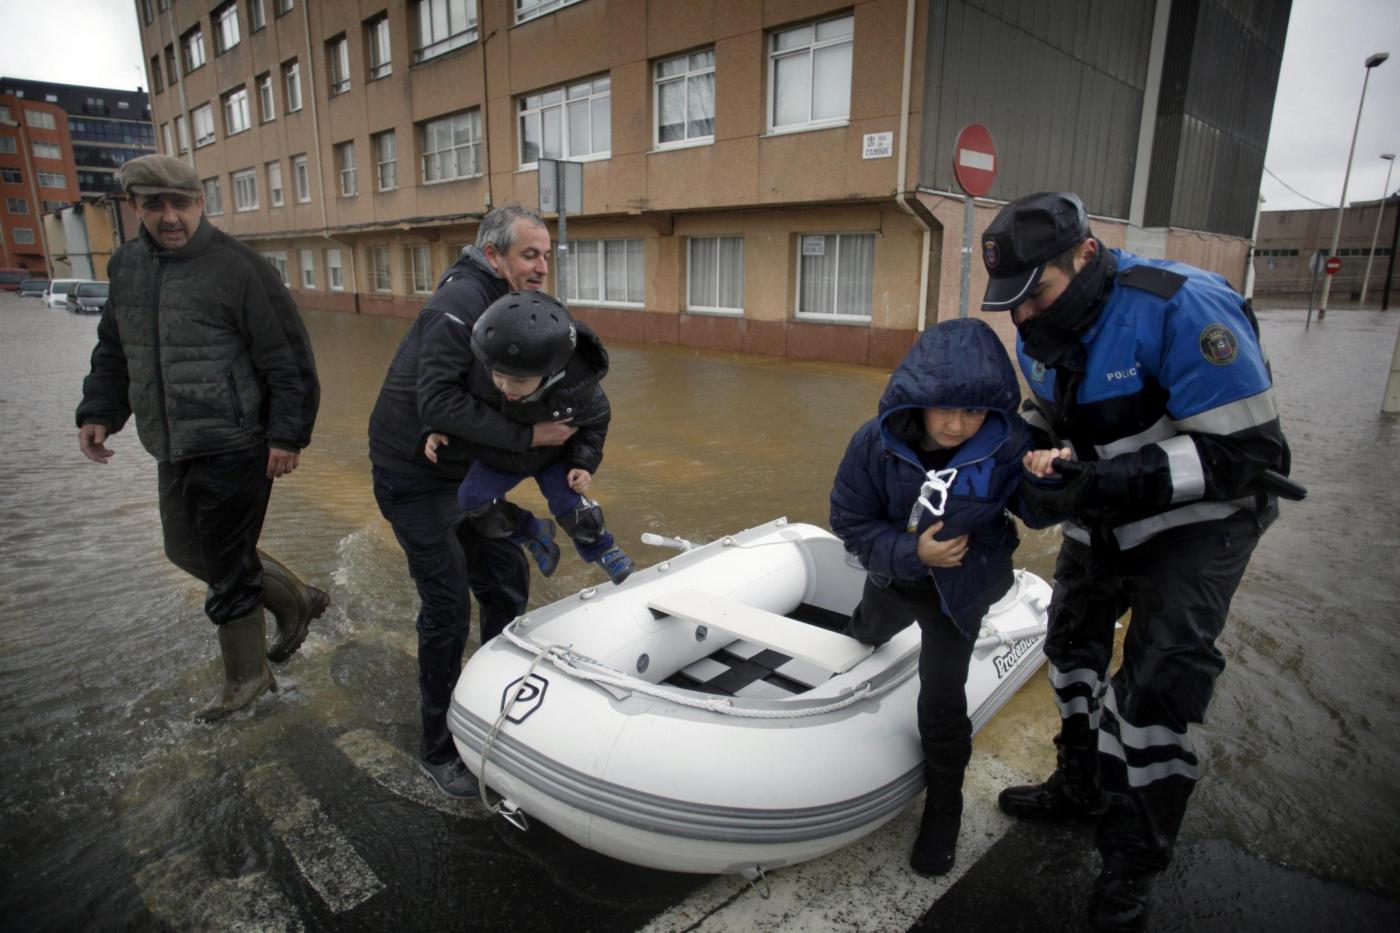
{"points": [[204, 345], [578, 396], [955, 364]]}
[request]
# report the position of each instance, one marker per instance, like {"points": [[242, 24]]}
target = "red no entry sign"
{"points": [[1334, 265], [975, 159]]}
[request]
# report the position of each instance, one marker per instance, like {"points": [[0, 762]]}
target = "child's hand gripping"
{"points": [[932, 552]]}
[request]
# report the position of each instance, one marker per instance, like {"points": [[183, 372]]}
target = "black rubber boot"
{"points": [[1121, 899], [246, 674], [293, 605], [1135, 837], [937, 842], [1072, 791]]}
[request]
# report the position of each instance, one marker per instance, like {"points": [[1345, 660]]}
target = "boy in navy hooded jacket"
{"points": [[947, 432]]}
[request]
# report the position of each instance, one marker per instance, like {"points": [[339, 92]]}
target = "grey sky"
{"points": [[96, 42]]}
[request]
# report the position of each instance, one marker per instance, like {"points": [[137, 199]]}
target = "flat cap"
{"points": [[159, 174]]}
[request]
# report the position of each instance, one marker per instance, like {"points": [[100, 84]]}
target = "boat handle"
{"points": [[512, 814], [750, 874]]}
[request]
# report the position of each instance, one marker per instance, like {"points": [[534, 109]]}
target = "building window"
{"points": [[452, 147], [607, 272], [236, 118], [213, 196], [274, 183], [386, 160], [278, 259], [182, 133], [715, 277], [148, 12], [23, 236], [809, 75], [308, 268], [54, 206], [529, 9], [167, 138], [335, 278], [40, 119], [418, 261], [338, 60], [7, 144], [567, 122], [835, 275], [17, 205], [52, 179], [378, 257], [46, 150], [267, 100], [4, 114], [345, 165], [11, 176], [224, 21], [685, 98], [281, 6], [291, 76], [157, 82], [203, 118], [377, 42], [301, 178], [192, 45], [443, 25], [257, 16], [245, 190]]}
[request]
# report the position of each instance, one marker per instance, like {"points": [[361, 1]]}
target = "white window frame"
{"points": [[682, 78], [46, 150], [11, 176], [381, 52], [56, 205], [438, 159], [732, 310], [17, 205], [301, 178], [40, 119], [577, 247], [257, 15], [306, 262], [278, 259], [282, 6], [168, 138], [224, 21], [335, 274], [834, 318], [441, 26], [810, 50], [345, 168], [291, 81], [192, 48], [213, 196], [276, 195], [267, 98], [372, 269], [52, 179], [526, 10], [237, 118], [418, 267], [386, 160], [245, 189], [203, 120], [536, 107], [23, 236], [182, 132], [9, 145], [338, 60]]}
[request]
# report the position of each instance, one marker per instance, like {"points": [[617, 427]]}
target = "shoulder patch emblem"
{"points": [[990, 254], [1218, 345]]}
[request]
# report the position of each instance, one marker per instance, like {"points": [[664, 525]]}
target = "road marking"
{"points": [[865, 886], [326, 858], [180, 890], [398, 773]]}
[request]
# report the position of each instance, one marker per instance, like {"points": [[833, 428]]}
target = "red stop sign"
{"points": [[975, 159], [1334, 265]]}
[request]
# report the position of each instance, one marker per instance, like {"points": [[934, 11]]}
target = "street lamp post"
{"points": [[1371, 62], [1385, 192]]}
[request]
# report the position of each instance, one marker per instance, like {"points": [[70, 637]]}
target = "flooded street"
{"points": [[118, 812]]}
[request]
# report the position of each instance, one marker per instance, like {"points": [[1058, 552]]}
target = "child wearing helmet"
{"points": [[538, 364]]}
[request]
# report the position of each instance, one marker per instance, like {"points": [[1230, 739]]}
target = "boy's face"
{"points": [[949, 427], [515, 388]]}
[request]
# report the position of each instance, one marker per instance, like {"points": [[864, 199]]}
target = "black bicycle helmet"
{"points": [[524, 334]]}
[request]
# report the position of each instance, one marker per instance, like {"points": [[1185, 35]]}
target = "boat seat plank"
{"points": [[804, 673], [831, 651]]}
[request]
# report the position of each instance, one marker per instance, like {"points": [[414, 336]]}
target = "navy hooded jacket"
{"points": [[956, 364]]}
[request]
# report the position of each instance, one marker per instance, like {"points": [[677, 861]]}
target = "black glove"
{"points": [[1075, 495]]}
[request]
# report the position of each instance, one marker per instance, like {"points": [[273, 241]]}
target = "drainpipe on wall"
{"points": [[901, 196]]}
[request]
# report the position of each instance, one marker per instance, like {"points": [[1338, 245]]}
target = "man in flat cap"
{"points": [[1149, 378], [201, 341]]}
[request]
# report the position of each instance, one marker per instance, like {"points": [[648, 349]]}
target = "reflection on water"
{"points": [[116, 806]]}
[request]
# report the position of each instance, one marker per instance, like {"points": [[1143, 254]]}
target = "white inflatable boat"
{"points": [[708, 716]]}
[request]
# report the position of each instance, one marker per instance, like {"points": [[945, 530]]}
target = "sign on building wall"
{"points": [[878, 146]]}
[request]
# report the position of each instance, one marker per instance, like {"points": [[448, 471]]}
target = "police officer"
{"points": [[1148, 377]]}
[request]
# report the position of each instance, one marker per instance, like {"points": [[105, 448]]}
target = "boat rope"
{"points": [[496, 729], [585, 668]]}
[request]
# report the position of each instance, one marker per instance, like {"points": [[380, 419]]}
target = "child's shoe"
{"points": [[542, 547], [618, 565]]}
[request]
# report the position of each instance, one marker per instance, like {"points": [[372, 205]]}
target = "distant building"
{"points": [[1288, 240], [757, 176]]}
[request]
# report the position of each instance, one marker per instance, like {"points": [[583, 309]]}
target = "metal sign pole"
{"points": [[969, 213], [1314, 264]]}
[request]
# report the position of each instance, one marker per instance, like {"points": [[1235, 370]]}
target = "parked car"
{"points": [[10, 279], [33, 288], [87, 297], [56, 295]]}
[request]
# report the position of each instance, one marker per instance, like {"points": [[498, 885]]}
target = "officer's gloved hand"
{"points": [[1074, 492]]}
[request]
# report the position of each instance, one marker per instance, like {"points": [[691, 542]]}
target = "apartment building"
{"points": [[766, 176], [1288, 240], [37, 175]]}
